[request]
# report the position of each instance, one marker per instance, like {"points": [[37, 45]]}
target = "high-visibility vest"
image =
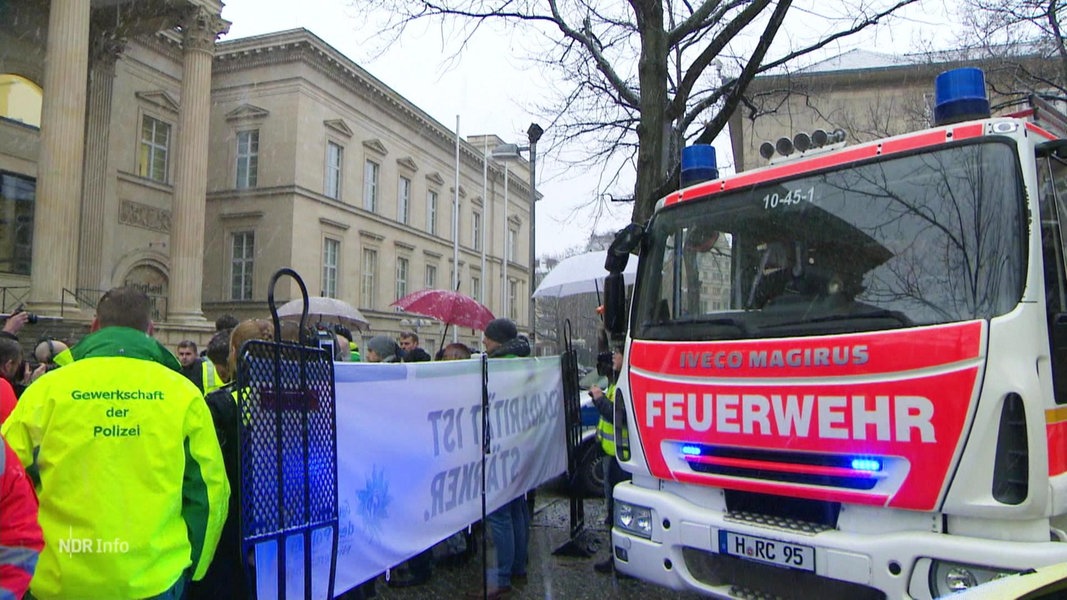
{"points": [[210, 376], [605, 429]]}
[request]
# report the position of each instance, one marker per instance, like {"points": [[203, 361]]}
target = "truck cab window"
{"points": [[898, 242]]}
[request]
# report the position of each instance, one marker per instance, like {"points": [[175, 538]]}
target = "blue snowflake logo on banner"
{"points": [[374, 501]]}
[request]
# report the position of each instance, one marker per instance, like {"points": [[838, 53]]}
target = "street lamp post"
{"points": [[508, 151], [533, 134]]}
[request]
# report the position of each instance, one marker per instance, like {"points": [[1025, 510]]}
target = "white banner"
{"points": [[409, 452]]}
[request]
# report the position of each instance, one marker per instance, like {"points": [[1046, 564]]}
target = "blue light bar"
{"points": [[871, 465], [690, 450], [960, 95], [698, 164]]}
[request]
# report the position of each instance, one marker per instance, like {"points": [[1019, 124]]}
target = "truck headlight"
{"points": [[947, 578], [634, 519]]}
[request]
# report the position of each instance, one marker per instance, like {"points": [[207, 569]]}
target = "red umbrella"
{"points": [[453, 308]]}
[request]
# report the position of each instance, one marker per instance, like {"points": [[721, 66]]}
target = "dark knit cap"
{"points": [[501, 330]]}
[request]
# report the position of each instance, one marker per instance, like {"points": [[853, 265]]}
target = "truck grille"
{"points": [[753, 580], [827, 470], [798, 515]]}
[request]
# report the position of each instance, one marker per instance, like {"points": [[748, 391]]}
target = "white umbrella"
{"points": [[322, 308], [581, 274]]}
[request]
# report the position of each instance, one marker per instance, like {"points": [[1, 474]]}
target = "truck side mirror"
{"points": [[615, 304], [626, 240]]}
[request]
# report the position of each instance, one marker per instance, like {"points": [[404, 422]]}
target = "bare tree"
{"points": [[643, 77], [1027, 40]]}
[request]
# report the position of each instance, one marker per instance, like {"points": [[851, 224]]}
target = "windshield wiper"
{"points": [[735, 322], [868, 314], [739, 325]]}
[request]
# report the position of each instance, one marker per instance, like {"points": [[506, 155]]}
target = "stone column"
{"points": [[200, 29], [99, 178], [59, 166]]}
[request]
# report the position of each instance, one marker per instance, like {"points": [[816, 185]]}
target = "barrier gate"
{"points": [[582, 543], [288, 462]]}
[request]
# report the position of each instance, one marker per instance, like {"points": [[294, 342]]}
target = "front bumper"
{"points": [[683, 554]]}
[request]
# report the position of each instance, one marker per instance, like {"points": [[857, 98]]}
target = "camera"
{"points": [[31, 318], [326, 340], [34, 365]]}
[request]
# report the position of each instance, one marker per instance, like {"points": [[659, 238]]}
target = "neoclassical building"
{"points": [[135, 148]]}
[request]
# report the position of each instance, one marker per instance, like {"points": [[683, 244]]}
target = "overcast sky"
{"points": [[493, 90]]}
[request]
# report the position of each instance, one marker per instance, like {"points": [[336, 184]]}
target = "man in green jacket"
{"points": [[133, 491]]}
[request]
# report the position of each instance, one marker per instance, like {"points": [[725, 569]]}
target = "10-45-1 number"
{"points": [[774, 200]]}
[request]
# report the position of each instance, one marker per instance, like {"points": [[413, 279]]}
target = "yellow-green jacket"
{"points": [[133, 490], [605, 429], [211, 378]]}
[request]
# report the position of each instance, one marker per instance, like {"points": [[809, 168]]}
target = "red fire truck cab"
{"points": [[846, 373]]}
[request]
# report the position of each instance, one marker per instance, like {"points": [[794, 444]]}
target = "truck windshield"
{"points": [[927, 238]]}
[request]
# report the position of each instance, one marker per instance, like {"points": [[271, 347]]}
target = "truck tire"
{"points": [[588, 481]]}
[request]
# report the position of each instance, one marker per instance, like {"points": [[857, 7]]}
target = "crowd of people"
{"points": [[119, 472]]}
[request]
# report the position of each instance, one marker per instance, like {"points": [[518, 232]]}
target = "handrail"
{"points": [[79, 300], [10, 298]]}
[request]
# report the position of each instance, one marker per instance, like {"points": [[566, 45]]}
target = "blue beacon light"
{"points": [[691, 450], [960, 95], [871, 465], [698, 164]]}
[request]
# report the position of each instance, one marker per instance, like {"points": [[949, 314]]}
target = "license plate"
{"points": [[775, 552]]}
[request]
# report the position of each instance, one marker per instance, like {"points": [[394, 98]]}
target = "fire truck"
{"points": [[846, 372]]}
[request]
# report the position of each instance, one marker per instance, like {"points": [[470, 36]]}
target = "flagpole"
{"points": [[504, 267], [483, 279], [455, 230]]}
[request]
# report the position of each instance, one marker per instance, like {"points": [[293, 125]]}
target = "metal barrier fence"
{"points": [[581, 542], [288, 463]]}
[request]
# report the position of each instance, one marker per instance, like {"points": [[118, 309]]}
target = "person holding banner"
{"points": [[509, 525], [419, 568]]}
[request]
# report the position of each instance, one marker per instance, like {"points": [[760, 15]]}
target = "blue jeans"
{"points": [[510, 528]]}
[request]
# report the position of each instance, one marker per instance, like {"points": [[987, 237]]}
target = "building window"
{"points": [[241, 265], [476, 288], [431, 276], [331, 252], [476, 231], [513, 237], [368, 277], [513, 299], [335, 156], [247, 159], [403, 200], [401, 278], [20, 100], [370, 186], [155, 146], [431, 212], [17, 196]]}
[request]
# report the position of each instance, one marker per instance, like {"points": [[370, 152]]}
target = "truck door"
{"points": [[1052, 174]]}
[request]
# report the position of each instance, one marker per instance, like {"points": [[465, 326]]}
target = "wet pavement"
{"points": [[550, 576]]}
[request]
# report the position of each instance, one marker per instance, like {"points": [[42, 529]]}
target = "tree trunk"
{"points": [[652, 140]]}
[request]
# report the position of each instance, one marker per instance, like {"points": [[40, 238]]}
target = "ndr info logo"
{"points": [[72, 545]]}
